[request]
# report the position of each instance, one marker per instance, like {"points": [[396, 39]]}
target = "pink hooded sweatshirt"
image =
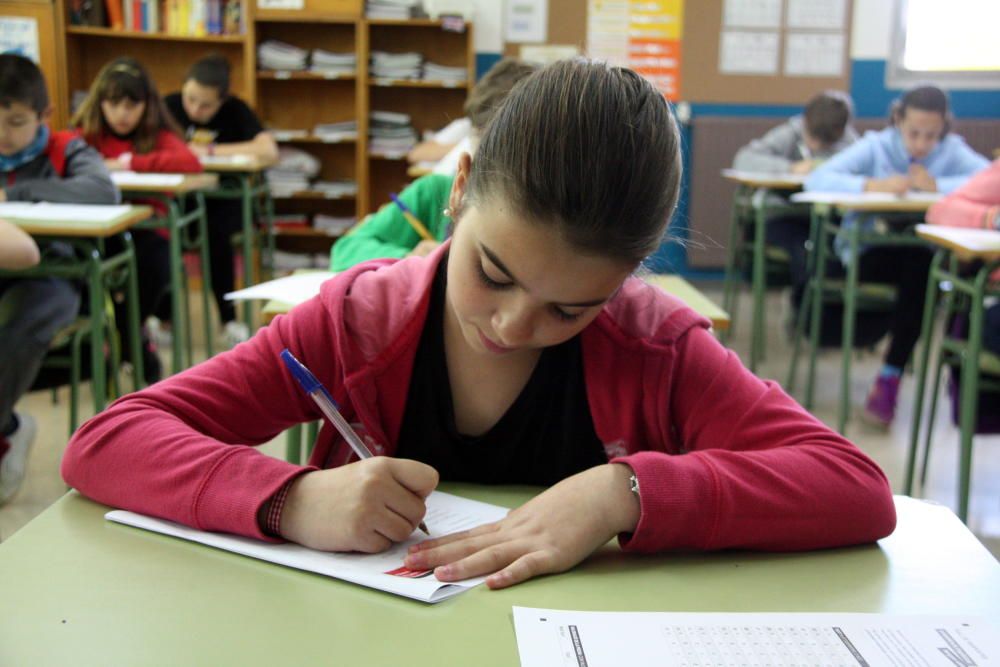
{"points": [[723, 459]]}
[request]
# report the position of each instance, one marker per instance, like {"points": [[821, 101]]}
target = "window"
{"points": [[953, 44]]}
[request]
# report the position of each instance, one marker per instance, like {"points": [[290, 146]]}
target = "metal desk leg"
{"points": [[850, 305], [246, 201], [132, 308], [926, 336], [206, 271]]}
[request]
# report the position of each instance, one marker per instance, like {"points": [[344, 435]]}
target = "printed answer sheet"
{"points": [[133, 179], [445, 514], [554, 638]]}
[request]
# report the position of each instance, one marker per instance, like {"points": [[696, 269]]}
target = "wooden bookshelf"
{"points": [[299, 100]]}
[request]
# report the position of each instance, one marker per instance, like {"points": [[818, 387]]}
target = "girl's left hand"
{"points": [[114, 164], [550, 533]]}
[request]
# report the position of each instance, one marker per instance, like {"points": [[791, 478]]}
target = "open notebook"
{"points": [[445, 514]]}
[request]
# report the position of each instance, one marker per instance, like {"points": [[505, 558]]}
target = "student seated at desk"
{"points": [[386, 233], [798, 146], [443, 141], [916, 152], [521, 351], [38, 165], [218, 123], [977, 205], [125, 119]]}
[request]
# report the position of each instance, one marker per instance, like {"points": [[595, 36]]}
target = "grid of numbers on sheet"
{"points": [[756, 646]]}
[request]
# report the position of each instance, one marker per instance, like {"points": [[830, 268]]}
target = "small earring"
{"points": [[447, 212]]}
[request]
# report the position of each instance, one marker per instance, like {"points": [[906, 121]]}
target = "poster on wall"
{"points": [[643, 35], [527, 21], [19, 34]]}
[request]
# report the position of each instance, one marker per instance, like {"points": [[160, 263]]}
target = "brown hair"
{"points": [[121, 78], [827, 115], [589, 147], [211, 71], [490, 91], [924, 98], [21, 81]]}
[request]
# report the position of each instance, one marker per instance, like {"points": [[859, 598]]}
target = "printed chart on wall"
{"points": [[643, 35], [812, 35], [19, 34]]}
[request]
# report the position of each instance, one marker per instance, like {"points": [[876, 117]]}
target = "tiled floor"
{"points": [[43, 484]]}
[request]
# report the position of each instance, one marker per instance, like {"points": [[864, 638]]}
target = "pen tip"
{"points": [[423, 527]]}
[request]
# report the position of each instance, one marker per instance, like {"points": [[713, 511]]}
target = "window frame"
{"points": [[898, 76]]}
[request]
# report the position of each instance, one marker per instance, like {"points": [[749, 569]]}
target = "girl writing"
{"points": [[125, 119], [520, 351]]}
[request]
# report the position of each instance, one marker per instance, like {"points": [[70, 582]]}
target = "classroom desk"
{"points": [[754, 194], [955, 245], [692, 296], [824, 205], [671, 284], [83, 591], [175, 222], [100, 273], [242, 179]]}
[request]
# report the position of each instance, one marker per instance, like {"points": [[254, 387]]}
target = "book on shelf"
{"points": [[189, 18]]}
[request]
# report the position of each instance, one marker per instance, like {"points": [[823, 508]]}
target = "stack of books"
{"points": [[393, 9], [396, 65], [333, 64], [332, 225], [392, 134], [292, 173], [337, 189], [276, 55], [443, 73], [334, 132], [196, 18]]}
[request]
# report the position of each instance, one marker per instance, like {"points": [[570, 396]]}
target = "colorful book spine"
{"points": [[115, 18]]}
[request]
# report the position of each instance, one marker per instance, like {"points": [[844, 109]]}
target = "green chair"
{"points": [[979, 369], [747, 253], [855, 296]]}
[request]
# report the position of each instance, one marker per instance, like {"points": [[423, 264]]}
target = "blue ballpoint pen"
{"points": [[318, 393]]}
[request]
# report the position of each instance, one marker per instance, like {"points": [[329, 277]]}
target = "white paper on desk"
{"points": [[982, 240], [445, 514], [294, 289], [555, 638], [765, 175], [69, 212], [135, 179], [816, 197], [225, 159]]}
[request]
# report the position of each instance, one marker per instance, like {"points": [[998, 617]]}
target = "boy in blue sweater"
{"points": [[916, 152]]}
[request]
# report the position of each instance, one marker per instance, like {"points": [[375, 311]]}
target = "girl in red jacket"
{"points": [[125, 119], [521, 351]]}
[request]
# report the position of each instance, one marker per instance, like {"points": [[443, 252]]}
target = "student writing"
{"points": [[386, 233], [125, 119], [916, 152], [798, 146], [38, 165], [216, 122], [520, 351]]}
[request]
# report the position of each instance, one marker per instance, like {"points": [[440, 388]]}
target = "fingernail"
{"points": [[415, 562], [444, 572]]}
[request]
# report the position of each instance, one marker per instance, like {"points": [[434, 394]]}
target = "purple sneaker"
{"points": [[880, 408]]}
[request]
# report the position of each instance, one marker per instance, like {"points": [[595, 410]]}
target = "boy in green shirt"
{"points": [[386, 233]]}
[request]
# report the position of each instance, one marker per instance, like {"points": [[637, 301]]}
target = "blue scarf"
{"points": [[37, 146]]}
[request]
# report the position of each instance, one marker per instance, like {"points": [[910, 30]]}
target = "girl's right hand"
{"points": [[364, 506]]}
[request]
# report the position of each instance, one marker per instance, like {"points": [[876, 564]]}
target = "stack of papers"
{"points": [[392, 9], [385, 65], [391, 133], [334, 132], [333, 64], [452, 75], [288, 134], [337, 189], [294, 169], [280, 56], [333, 225]]}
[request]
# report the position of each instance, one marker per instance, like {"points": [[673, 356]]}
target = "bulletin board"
{"points": [[809, 36], [703, 78]]}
